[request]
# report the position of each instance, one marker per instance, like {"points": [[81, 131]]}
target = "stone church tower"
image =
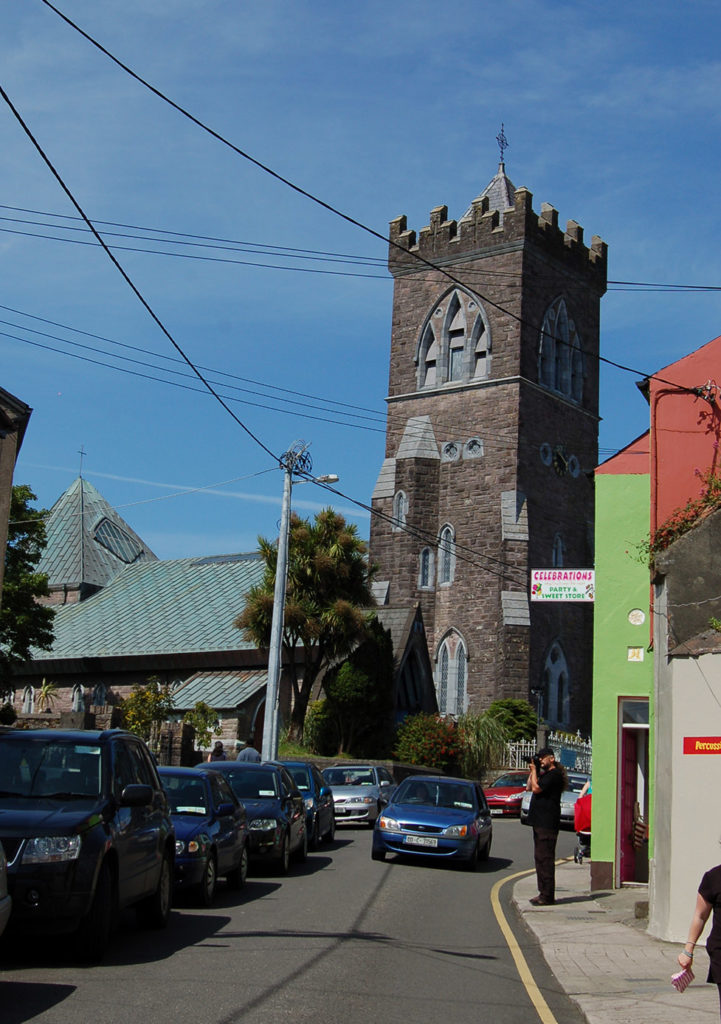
{"points": [[492, 439]]}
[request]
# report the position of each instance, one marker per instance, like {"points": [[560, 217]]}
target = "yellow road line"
{"points": [[541, 1006]]}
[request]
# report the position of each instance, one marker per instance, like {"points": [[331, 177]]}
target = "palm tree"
{"points": [[47, 695], [327, 597]]}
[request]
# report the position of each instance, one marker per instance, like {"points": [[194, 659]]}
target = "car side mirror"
{"points": [[385, 782], [225, 809], [136, 795], [324, 791]]}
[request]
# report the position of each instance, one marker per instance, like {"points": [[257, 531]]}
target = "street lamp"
{"points": [[296, 460]]}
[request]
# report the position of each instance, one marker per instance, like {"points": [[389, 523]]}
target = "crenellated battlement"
{"points": [[483, 228]]}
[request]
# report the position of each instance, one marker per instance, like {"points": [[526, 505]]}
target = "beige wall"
{"points": [[687, 819]]}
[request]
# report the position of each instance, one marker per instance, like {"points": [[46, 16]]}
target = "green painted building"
{"points": [[622, 672]]}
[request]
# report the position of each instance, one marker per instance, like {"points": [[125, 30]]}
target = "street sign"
{"points": [[563, 585]]}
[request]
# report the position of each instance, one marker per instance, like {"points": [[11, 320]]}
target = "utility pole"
{"points": [[296, 460]]}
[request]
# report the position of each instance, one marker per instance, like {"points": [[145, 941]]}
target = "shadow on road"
{"points": [[21, 1001]]}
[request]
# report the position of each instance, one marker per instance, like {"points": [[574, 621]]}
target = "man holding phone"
{"points": [[546, 780]]}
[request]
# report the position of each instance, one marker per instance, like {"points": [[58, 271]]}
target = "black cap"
{"points": [[546, 752]]}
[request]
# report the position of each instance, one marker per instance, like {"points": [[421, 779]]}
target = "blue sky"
{"points": [[379, 109]]}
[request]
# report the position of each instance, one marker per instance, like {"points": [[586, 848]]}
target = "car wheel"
{"points": [[237, 877], [206, 889], [301, 854], [486, 851], [93, 932], [315, 834], [284, 855], [330, 834], [154, 910], [378, 854], [472, 863]]}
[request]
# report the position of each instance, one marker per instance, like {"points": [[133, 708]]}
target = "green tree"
{"points": [[204, 720], [360, 695], [482, 741], [24, 623], [517, 717], [328, 588], [149, 704]]}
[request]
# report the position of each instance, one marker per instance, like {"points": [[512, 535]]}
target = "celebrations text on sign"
{"points": [[563, 584]]}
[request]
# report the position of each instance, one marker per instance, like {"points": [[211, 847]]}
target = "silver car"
{"points": [[359, 792], [576, 782]]}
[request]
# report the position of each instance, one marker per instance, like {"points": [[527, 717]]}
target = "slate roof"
{"points": [[223, 689], [74, 554], [500, 191], [159, 607]]}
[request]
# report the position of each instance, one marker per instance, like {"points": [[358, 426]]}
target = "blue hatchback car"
{"points": [[318, 800], [211, 831], [435, 816]]}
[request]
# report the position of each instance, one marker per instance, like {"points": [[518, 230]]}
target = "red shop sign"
{"points": [[702, 744]]}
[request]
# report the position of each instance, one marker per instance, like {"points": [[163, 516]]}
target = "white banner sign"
{"points": [[563, 584]]}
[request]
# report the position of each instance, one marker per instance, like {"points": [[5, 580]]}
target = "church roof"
{"points": [[88, 542], [178, 606], [500, 191]]}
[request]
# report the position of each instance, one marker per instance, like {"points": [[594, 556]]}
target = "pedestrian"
{"points": [[708, 898], [246, 752], [547, 780], [217, 753]]}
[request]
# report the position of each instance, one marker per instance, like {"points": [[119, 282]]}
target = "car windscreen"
{"points": [[300, 775], [507, 781], [253, 785], [349, 777], [185, 796], [49, 769], [458, 795]]}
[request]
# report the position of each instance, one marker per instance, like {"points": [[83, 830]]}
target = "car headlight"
{"points": [[262, 824], [461, 831], [193, 846], [513, 798], [363, 800], [308, 803], [51, 849], [390, 824]]}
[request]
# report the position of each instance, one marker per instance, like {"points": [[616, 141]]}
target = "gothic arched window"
{"points": [[100, 695], [558, 552], [78, 704], [560, 359], [451, 675], [556, 686], [455, 343], [425, 569], [400, 510], [446, 555], [28, 700]]}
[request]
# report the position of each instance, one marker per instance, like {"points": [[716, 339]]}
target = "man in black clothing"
{"points": [[544, 814]]}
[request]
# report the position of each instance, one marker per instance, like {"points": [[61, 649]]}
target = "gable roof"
{"points": [[181, 606], [87, 541]]}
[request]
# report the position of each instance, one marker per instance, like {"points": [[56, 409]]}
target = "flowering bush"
{"points": [[683, 519], [428, 740]]}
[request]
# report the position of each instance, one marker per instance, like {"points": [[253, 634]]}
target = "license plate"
{"points": [[421, 841], [496, 810]]}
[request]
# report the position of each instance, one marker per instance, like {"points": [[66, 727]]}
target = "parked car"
{"points": [[275, 809], [5, 900], [318, 800], [87, 831], [211, 831], [576, 782], [359, 791], [505, 794], [436, 816]]}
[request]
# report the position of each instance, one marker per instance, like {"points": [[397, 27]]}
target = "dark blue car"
{"points": [[211, 831], [276, 814], [435, 816], [318, 800]]}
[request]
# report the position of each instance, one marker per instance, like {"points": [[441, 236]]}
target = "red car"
{"points": [[505, 794]]}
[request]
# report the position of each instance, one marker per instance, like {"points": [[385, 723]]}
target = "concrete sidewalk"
{"points": [[603, 958]]}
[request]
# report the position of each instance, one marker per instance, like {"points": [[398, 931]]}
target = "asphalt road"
{"points": [[341, 940]]}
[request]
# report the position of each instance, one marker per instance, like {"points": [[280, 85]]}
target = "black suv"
{"points": [[87, 831]]}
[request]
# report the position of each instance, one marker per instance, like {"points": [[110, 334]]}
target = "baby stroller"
{"points": [[582, 824]]}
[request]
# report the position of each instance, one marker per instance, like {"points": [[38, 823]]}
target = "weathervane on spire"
{"points": [[502, 142]]}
